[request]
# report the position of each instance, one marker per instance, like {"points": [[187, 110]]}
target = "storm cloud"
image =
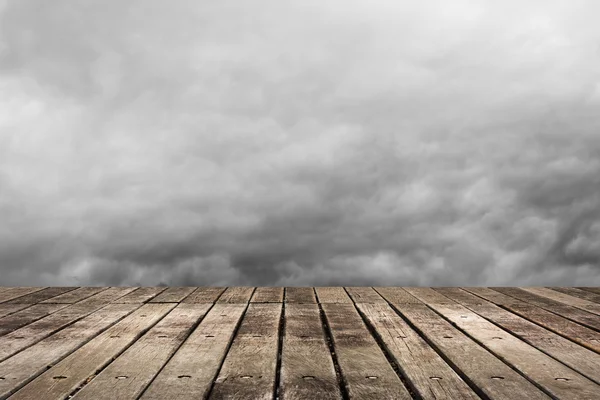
{"points": [[299, 142]]}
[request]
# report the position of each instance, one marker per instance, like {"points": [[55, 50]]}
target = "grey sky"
{"points": [[300, 142]]}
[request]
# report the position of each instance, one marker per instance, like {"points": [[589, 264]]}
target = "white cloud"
{"points": [[299, 142]]}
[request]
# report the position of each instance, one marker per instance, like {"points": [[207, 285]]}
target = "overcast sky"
{"points": [[295, 142]]}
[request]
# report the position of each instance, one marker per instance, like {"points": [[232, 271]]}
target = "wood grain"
{"points": [[140, 295], [236, 295], [41, 295], [364, 295], [477, 365], [76, 295], [33, 361], [307, 369], [267, 295], [249, 370], [156, 343], [557, 379], [575, 356], [556, 323], [365, 369], [569, 300], [173, 295], [582, 294], [28, 335], [128, 375], [27, 316], [67, 375], [575, 314], [204, 295], [429, 374], [300, 295], [191, 371], [332, 295], [16, 292]]}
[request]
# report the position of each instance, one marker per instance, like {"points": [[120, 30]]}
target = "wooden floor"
{"points": [[299, 343]]}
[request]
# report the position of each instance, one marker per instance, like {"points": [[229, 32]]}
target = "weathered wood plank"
{"points": [[76, 295], [267, 295], [141, 295], [478, 366], [21, 368], [301, 295], [28, 335], [429, 374], [364, 295], [27, 316], [556, 323], [557, 379], [12, 293], [307, 369], [204, 295], [173, 295], [396, 295], [249, 369], [236, 295], [190, 372], [41, 295], [332, 295], [575, 356], [572, 313], [364, 367], [67, 375], [591, 289], [8, 309], [573, 301], [582, 294], [132, 371]]}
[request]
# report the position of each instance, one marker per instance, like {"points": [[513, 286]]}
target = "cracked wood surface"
{"points": [[299, 343]]}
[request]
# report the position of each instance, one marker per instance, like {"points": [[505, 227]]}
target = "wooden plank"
{"points": [[8, 309], [572, 313], [397, 295], [300, 295], [249, 369], [41, 295], [582, 294], [428, 373], [573, 301], [28, 335], [557, 379], [333, 294], [173, 295], [67, 375], [364, 367], [307, 369], [477, 366], [141, 295], [204, 295], [27, 316], [569, 353], [267, 295], [556, 323], [236, 295], [591, 289], [16, 292], [190, 372], [23, 367], [132, 371], [76, 295], [364, 295]]}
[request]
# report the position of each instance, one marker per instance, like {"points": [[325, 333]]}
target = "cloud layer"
{"points": [[299, 142]]}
